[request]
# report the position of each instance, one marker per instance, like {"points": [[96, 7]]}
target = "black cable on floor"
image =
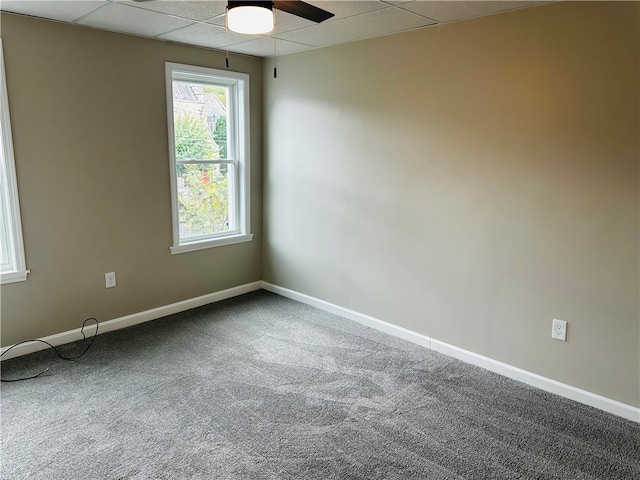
{"points": [[55, 349]]}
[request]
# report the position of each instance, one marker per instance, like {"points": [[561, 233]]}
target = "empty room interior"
{"points": [[400, 242]]}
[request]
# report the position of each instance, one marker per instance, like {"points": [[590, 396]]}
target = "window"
{"points": [[208, 117], [12, 252]]}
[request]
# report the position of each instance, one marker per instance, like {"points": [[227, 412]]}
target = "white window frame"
{"points": [[13, 269], [238, 153]]}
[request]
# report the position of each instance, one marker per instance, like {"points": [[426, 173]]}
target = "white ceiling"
{"points": [[201, 22]]}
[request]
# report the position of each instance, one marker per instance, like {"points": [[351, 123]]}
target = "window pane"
{"points": [[6, 262], [204, 195], [200, 120]]}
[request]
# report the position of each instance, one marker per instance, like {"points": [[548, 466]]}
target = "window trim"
{"points": [[241, 154], [18, 272]]}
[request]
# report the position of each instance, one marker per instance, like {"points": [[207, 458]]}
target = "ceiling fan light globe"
{"points": [[250, 19]]}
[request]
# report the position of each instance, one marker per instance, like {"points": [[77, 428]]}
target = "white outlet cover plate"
{"points": [[110, 279], [559, 330]]}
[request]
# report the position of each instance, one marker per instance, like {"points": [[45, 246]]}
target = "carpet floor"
{"points": [[262, 387]]}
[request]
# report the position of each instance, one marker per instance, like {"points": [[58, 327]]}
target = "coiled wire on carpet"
{"points": [[55, 349]]}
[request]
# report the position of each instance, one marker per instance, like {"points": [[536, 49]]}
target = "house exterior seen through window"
{"points": [[208, 118]]}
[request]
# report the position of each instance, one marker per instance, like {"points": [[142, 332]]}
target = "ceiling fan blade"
{"points": [[303, 9]]}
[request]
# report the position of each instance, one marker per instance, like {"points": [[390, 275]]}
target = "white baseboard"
{"points": [[130, 320], [548, 384]]}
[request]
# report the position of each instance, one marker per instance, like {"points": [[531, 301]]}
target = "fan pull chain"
{"points": [[226, 38], [275, 47]]}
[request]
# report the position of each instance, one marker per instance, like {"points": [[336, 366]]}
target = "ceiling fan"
{"points": [[255, 17]]}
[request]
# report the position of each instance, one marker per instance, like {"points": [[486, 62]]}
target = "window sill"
{"points": [[13, 277], [218, 242]]}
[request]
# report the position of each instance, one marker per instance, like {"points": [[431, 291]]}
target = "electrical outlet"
{"points": [[110, 279], [559, 330]]}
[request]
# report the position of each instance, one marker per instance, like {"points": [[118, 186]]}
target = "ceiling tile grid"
{"points": [[202, 22]]}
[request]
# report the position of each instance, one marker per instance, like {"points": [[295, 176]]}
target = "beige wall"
{"points": [[470, 182], [90, 135]]}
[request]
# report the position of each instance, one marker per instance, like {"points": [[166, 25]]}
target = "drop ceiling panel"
{"points": [[206, 35], [263, 47], [189, 9], [442, 11], [61, 11], [372, 24], [123, 18]]}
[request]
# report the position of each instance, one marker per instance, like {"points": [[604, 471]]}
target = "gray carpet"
{"points": [[261, 387]]}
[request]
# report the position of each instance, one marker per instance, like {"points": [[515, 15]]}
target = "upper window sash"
{"points": [[231, 80]]}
